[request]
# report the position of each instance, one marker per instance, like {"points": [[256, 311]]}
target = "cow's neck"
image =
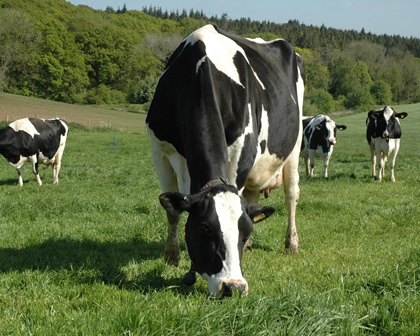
{"points": [[206, 155]]}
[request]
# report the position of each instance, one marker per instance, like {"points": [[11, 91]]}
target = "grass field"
{"points": [[86, 257]]}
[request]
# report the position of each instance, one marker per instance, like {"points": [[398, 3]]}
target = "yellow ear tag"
{"points": [[259, 217]]}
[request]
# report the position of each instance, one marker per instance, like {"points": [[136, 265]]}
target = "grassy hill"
{"points": [[14, 107]]}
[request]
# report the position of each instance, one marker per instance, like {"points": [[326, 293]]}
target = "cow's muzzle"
{"points": [[332, 141], [234, 285]]}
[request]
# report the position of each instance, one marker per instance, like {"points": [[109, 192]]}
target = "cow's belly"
{"points": [[265, 174], [20, 163], [385, 147], [46, 160]]}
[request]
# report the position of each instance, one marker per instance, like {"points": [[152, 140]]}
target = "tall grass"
{"points": [[86, 257]]}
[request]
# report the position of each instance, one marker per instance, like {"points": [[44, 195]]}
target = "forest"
{"points": [[55, 50]]}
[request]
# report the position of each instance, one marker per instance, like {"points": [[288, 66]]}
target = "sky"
{"points": [[390, 17]]}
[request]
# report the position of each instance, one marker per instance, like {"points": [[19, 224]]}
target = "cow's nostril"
{"points": [[226, 290]]}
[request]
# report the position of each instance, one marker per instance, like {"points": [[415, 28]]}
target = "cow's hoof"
{"points": [[189, 278], [291, 248], [169, 260], [248, 245], [172, 256]]}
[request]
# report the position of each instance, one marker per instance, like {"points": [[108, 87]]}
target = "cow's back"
{"points": [[218, 88]]}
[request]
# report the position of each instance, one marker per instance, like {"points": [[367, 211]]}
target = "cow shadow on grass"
{"points": [[130, 265], [10, 181]]}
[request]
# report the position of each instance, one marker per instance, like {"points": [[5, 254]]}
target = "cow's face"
{"points": [[328, 129], [218, 225], [386, 122], [322, 131]]}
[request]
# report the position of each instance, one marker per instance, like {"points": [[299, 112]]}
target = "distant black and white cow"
{"points": [[34, 140], [225, 121], [319, 138], [383, 134]]}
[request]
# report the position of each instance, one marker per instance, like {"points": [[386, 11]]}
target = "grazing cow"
{"points": [[319, 138], [225, 121], [36, 140], [383, 134]]}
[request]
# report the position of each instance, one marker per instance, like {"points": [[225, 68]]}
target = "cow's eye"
{"points": [[204, 228]]}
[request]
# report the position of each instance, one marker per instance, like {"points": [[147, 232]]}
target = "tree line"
{"points": [[75, 54]]}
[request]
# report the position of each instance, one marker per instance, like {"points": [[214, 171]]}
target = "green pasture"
{"points": [[86, 257]]}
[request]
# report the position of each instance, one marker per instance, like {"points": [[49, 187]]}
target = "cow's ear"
{"points": [[373, 114], [258, 212], [401, 115], [341, 127], [175, 203]]}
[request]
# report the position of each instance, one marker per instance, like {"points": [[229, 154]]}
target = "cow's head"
{"points": [[328, 129], [218, 225], [386, 123]]}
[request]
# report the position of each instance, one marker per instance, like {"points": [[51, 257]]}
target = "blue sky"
{"points": [[391, 17]]}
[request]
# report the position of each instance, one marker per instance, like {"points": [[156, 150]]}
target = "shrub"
{"points": [[381, 92]]}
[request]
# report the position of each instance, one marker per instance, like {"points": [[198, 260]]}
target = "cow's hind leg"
{"points": [[291, 191], [35, 169], [56, 168]]}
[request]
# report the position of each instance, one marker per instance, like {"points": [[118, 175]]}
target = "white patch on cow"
{"points": [[388, 112], [300, 85], [20, 163], [235, 149], [229, 210], [24, 125], [221, 51], [202, 60]]}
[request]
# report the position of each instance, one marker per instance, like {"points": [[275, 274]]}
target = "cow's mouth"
{"points": [[226, 290]]}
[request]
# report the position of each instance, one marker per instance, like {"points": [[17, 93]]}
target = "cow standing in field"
{"points": [[34, 140], [383, 134], [319, 138], [225, 121]]}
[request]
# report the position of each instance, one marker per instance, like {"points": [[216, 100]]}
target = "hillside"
{"points": [[14, 107], [75, 54]]}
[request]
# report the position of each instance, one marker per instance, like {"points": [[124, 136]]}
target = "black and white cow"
{"points": [[34, 140], [383, 134], [319, 138], [225, 121]]}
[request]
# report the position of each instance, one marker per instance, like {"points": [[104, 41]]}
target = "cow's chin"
{"points": [[219, 288]]}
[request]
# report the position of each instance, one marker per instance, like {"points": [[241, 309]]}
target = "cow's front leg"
{"points": [[373, 161], [172, 252], [190, 278], [251, 196], [381, 169], [326, 161], [393, 158], [20, 178]]}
